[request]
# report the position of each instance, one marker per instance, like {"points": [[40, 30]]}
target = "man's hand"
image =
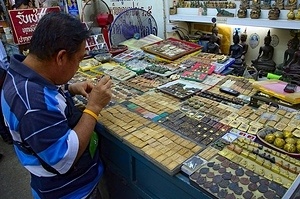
{"points": [[81, 88], [100, 95]]}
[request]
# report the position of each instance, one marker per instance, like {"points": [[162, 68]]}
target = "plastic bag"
{"points": [[250, 73]]}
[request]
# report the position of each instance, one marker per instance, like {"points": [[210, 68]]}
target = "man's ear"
{"points": [[61, 57]]}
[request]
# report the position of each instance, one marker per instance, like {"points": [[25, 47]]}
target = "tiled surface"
{"points": [[14, 179]]}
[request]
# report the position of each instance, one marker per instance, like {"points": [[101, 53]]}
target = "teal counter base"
{"points": [[130, 175]]}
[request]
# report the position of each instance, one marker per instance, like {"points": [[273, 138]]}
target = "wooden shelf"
{"points": [[191, 15]]}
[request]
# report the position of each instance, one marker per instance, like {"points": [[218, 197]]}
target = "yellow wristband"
{"points": [[91, 113]]}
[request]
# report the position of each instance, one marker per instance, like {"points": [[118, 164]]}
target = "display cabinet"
{"points": [[131, 175]]}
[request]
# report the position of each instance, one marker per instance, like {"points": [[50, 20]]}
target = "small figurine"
{"points": [[291, 4], [180, 4], [264, 62], [173, 10], [274, 13], [231, 5], [244, 44], [297, 16], [204, 13], [279, 4], [224, 13], [212, 46], [236, 52], [266, 5], [245, 4], [291, 72], [292, 47], [255, 12], [255, 3], [294, 66], [242, 12], [291, 14]]}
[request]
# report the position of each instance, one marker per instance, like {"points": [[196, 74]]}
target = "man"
{"points": [[49, 140], [3, 57], [23, 4], [4, 133]]}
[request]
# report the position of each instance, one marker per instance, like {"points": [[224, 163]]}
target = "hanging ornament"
{"points": [[254, 40], [275, 40]]}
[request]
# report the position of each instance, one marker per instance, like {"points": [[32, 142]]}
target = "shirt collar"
{"points": [[16, 64]]}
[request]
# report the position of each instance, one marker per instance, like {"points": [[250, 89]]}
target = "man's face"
{"points": [[72, 65], [22, 6]]}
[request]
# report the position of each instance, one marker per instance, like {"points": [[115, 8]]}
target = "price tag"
{"points": [[222, 20]]}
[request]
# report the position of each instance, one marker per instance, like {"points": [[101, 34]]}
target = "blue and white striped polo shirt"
{"points": [[36, 113]]}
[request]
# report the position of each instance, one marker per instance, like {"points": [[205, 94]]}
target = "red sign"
{"points": [[24, 22]]}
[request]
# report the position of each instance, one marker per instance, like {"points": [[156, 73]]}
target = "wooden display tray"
{"points": [[194, 76], [228, 183], [260, 136], [193, 88], [87, 64], [167, 48]]}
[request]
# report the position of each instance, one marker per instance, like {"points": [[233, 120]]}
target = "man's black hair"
{"points": [[57, 31], [18, 3]]}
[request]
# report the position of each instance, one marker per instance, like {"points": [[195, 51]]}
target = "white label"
{"points": [[222, 20], [200, 11]]}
